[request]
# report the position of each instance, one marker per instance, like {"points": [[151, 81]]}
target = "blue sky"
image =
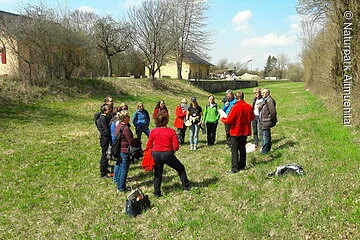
{"points": [[242, 30]]}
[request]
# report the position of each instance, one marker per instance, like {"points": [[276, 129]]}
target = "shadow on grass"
{"points": [[200, 184], [259, 158], [287, 144]]}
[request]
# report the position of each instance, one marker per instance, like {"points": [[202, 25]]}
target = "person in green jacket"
{"points": [[211, 117]]}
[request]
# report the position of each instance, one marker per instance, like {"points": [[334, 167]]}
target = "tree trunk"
{"points": [[179, 68], [109, 65]]}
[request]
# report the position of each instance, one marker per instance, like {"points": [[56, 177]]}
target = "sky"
{"points": [[241, 30]]}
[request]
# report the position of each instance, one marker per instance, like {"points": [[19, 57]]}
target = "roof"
{"points": [[8, 14], [192, 57]]}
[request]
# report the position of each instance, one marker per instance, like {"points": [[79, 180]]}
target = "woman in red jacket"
{"points": [[163, 142], [179, 123], [160, 106], [239, 119]]}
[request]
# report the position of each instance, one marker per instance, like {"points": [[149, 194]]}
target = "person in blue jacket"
{"points": [[141, 121], [230, 101]]}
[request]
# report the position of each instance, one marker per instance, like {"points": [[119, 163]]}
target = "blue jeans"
{"points": [[257, 130], [194, 133], [266, 141], [141, 130], [121, 171]]}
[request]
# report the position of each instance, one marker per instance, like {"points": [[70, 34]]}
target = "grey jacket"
{"points": [[268, 113]]}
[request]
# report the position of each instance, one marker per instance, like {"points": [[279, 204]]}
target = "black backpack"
{"points": [[96, 116], [134, 150]]}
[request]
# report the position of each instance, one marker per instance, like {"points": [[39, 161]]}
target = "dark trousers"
{"points": [[238, 153], [104, 164], [211, 132], [171, 160], [227, 132], [181, 134]]}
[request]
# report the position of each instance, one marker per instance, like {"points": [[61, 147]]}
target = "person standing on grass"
{"points": [[211, 118], [239, 120], [268, 119], [163, 143], [123, 163], [141, 121], [160, 106], [256, 125], [102, 124], [194, 113], [179, 122], [230, 101]]}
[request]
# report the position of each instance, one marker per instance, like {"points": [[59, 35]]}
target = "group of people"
{"points": [[193, 117], [163, 141], [240, 118]]}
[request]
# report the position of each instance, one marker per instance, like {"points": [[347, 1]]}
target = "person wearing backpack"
{"points": [[102, 124], [123, 163], [211, 118], [141, 121]]}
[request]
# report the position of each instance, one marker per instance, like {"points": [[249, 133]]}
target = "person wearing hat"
{"points": [[194, 114], [179, 123]]}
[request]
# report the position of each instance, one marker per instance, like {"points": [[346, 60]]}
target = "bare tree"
{"points": [[189, 30], [151, 32], [223, 63], [282, 62], [111, 38]]}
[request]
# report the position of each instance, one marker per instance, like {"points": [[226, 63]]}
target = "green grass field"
{"points": [[51, 189]]}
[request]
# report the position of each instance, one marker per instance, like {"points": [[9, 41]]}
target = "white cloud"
{"points": [[294, 28], [86, 9], [271, 39], [241, 21], [132, 3], [7, 1], [294, 18]]}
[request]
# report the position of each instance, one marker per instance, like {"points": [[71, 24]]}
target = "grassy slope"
{"points": [[51, 187]]}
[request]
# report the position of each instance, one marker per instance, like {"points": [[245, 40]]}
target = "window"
{"points": [[3, 57]]}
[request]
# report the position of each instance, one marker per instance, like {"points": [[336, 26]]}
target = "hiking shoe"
{"points": [[105, 176], [187, 187], [127, 189]]}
